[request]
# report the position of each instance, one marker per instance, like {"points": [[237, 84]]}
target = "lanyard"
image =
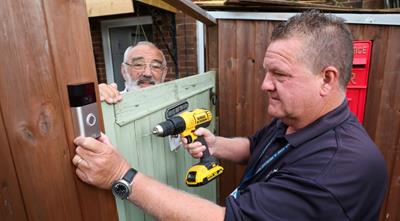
{"points": [[252, 173]]}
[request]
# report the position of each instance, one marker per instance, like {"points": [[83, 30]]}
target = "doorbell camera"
{"points": [[82, 100]]}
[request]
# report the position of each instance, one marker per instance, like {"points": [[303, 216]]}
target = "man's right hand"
{"points": [[109, 93], [98, 162], [196, 149]]}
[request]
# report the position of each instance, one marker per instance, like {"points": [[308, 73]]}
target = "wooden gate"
{"points": [[129, 125]]}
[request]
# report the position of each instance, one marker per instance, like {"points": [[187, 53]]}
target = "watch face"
{"points": [[120, 190]]}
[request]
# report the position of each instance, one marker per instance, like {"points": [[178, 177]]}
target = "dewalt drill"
{"points": [[185, 124]]}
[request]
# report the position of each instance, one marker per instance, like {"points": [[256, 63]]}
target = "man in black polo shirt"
{"points": [[314, 161]]}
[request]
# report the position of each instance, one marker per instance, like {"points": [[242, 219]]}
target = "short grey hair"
{"points": [[148, 43], [328, 41]]}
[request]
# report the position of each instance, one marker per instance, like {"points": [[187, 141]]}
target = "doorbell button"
{"points": [[91, 119]]}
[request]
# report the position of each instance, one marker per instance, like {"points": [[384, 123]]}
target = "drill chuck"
{"points": [[174, 125], [158, 131]]}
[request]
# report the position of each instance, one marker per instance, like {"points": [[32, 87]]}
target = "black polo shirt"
{"points": [[333, 171]]}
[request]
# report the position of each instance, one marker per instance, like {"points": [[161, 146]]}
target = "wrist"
{"points": [[134, 186], [213, 148], [121, 171]]}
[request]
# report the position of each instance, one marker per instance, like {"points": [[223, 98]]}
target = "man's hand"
{"points": [[196, 149], [109, 93], [98, 162]]}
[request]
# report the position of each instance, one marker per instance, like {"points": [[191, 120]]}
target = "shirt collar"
{"points": [[318, 127]]}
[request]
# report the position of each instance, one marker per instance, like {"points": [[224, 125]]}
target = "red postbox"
{"points": [[357, 87]]}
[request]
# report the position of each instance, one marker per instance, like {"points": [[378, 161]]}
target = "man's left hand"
{"points": [[98, 162], [109, 93]]}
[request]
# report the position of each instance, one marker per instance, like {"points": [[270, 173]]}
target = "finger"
{"points": [[113, 89], [114, 85], [81, 175], [79, 140], [184, 140], [80, 153], [198, 155], [84, 153], [109, 93], [198, 143], [197, 150], [118, 98], [194, 145], [88, 143], [110, 100], [82, 158], [105, 92], [76, 160], [195, 154]]}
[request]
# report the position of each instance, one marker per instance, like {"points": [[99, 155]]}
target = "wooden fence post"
{"points": [[45, 45]]}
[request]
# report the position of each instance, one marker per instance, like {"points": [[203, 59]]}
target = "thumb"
{"points": [[104, 139], [201, 132]]}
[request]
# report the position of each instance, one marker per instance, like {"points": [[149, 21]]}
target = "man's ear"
{"points": [[164, 74], [330, 80], [123, 72]]}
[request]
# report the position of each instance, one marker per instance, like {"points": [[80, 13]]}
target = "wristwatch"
{"points": [[122, 187]]}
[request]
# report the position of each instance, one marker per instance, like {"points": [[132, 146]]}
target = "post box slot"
{"points": [[358, 65]]}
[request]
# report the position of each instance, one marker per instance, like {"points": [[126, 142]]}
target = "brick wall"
{"points": [[186, 42], [95, 31], [164, 33], [167, 28]]}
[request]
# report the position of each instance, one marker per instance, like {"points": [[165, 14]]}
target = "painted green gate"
{"points": [[129, 125]]}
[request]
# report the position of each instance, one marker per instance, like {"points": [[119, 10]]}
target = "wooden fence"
{"points": [[45, 45]]}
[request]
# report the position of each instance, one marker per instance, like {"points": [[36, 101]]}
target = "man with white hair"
{"points": [[144, 65]]}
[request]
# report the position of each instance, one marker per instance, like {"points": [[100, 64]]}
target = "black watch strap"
{"points": [[129, 175]]}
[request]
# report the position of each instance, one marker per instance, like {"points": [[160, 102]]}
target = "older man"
{"points": [[144, 65], [314, 161]]}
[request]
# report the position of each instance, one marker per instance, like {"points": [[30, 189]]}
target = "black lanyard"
{"points": [[251, 173]]}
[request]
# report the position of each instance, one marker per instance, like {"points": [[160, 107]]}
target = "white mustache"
{"points": [[144, 81]]}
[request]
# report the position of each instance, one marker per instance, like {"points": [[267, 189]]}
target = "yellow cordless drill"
{"points": [[185, 124]]}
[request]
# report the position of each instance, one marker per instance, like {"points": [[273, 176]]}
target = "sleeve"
{"points": [[260, 135], [284, 197]]}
